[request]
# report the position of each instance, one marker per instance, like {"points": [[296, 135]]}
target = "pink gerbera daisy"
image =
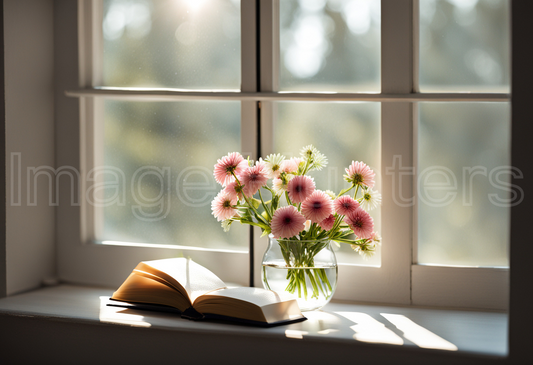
{"points": [[327, 223], [300, 188], [232, 163], [287, 222], [345, 204], [360, 174], [234, 190], [253, 178], [222, 206], [361, 223], [317, 207], [291, 166]]}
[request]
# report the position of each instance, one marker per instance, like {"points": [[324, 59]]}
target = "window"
{"points": [[313, 60]]}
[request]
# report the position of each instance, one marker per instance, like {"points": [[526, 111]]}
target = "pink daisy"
{"points": [[234, 190], [253, 178], [287, 222], [360, 174], [233, 162], [327, 223], [317, 207], [291, 166], [300, 188], [345, 204], [361, 223], [222, 206]]}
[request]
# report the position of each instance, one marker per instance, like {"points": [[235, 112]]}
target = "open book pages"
{"points": [[268, 306], [183, 274], [198, 293]]}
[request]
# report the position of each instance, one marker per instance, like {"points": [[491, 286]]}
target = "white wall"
{"points": [[29, 99]]}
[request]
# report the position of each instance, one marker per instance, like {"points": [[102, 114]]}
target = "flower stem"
{"points": [[264, 206], [257, 215]]}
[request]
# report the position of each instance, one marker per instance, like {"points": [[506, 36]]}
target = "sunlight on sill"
{"points": [[368, 329], [417, 334], [116, 315]]}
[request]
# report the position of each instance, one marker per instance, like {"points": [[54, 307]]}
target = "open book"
{"points": [[183, 285]]}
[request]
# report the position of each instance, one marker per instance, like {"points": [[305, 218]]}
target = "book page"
{"points": [[141, 288], [253, 304], [257, 296], [185, 273]]}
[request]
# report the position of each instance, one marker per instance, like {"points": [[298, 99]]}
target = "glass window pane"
{"points": [[189, 44], [159, 184], [330, 45], [344, 132], [464, 195], [464, 45]]}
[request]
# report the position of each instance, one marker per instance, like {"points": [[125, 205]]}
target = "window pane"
{"points": [[463, 184], [330, 45], [464, 45], [159, 157], [190, 44], [343, 132]]}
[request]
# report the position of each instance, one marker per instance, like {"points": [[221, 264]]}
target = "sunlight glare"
{"points": [[295, 334], [114, 315], [418, 334], [368, 329], [195, 5]]}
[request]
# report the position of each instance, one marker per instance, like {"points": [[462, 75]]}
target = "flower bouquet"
{"points": [[299, 217]]}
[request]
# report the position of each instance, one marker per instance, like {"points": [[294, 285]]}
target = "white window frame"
{"points": [[399, 280]]}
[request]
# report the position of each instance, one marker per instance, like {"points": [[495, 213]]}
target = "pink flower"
{"points": [[287, 222], [222, 206], [233, 162], [291, 166], [317, 207], [327, 223], [360, 174], [234, 190], [361, 223], [253, 178], [344, 205], [300, 188]]}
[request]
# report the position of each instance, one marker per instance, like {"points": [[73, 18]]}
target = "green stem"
{"points": [[356, 191], [313, 284], [345, 190], [264, 206], [287, 197], [258, 216]]}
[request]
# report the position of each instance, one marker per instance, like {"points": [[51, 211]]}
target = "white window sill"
{"points": [[405, 331]]}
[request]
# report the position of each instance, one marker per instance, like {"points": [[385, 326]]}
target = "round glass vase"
{"points": [[303, 270]]}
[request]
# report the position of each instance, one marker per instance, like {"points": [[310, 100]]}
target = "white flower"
{"points": [[273, 163], [367, 249], [279, 185], [375, 238], [331, 194], [315, 159], [370, 200], [226, 225]]}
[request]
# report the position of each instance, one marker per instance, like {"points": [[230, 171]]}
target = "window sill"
{"points": [[379, 332]]}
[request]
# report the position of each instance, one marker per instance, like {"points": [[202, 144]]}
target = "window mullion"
{"points": [[249, 78], [268, 68], [396, 144]]}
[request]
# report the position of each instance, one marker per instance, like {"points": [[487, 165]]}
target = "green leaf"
{"points": [[256, 202], [266, 232], [246, 216], [275, 202]]}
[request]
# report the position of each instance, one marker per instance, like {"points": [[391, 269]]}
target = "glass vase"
{"points": [[303, 270]]}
